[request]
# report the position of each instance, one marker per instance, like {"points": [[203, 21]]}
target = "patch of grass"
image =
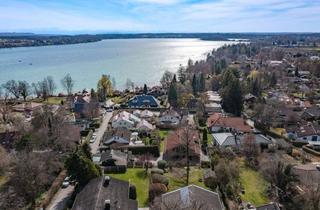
{"points": [[163, 133], [278, 131], [210, 139], [140, 180], [162, 142], [3, 180], [176, 182], [55, 100], [255, 186]]}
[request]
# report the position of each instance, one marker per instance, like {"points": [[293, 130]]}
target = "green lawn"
{"points": [[55, 100], [210, 139], [176, 182], [255, 186], [163, 133], [162, 145], [140, 180], [3, 180]]}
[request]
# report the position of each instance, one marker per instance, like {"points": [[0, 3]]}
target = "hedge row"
{"points": [[115, 169]]}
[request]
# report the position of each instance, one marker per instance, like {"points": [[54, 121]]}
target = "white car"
{"points": [[66, 182], [94, 135], [92, 140]]}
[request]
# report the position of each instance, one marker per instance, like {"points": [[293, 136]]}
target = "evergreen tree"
{"points": [[145, 89], [173, 95], [194, 84], [204, 139], [232, 96], [202, 84], [181, 75], [174, 80], [273, 79]]}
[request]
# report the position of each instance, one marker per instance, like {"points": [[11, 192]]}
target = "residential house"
{"points": [[144, 126], [113, 158], [169, 118], [270, 206], [225, 140], [140, 101], [212, 108], [190, 197], [27, 107], [157, 91], [306, 132], [105, 193], [213, 104], [176, 145], [125, 120], [219, 122], [312, 113], [120, 136], [258, 138], [84, 107], [145, 114], [308, 174]]}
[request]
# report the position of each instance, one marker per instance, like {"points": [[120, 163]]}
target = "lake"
{"points": [[140, 60]]}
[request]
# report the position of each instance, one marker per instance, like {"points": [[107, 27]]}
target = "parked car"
{"points": [[92, 140], [318, 167], [66, 182]]}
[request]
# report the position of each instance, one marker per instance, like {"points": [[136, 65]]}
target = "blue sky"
{"points": [[97, 16]]}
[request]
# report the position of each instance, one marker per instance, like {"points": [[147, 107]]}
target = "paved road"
{"points": [[60, 199], [100, 132]]}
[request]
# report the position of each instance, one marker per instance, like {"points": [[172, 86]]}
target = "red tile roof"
{"points": [[175, 139], [237, 123]]}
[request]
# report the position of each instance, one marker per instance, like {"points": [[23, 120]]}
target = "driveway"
{"points": [[100, 132], [60, 199]]}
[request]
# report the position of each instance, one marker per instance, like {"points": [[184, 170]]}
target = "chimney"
{"points": [[107, 205], [106, 181]]}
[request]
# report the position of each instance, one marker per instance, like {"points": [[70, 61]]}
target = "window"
{"points": [[314, 138]]}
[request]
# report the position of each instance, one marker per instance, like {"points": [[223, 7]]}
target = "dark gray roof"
{"points": [[191, 197], [120, 132], [270, 206], [94, 194], [120, 158]]}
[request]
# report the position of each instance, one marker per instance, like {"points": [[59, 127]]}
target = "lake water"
{"points": [[141, 60]]}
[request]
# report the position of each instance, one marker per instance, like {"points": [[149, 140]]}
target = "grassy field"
{"points": [[210, 139], [140, 180], [55, 100], [163, 133], [176, 182], [255, 186]]}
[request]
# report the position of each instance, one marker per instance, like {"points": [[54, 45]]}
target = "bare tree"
{"points": [[250, 149], [4, 160], [51, 85], [68, 83], [36, 89], [188, 139], [129, 84], [166, 79], [32, 174], [12, 87], [24, 89], [145, 158], [4, 111]]}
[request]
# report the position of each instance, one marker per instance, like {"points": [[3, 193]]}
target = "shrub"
{"points": [[157, 171], [115, 169], [132, 192], [158, 178], [162, 164], [156, 190]]}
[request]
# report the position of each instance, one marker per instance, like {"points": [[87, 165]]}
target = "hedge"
{"points": [[162, 164], [115, 169], [157, 171], [158, 178], [140, 150]]}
